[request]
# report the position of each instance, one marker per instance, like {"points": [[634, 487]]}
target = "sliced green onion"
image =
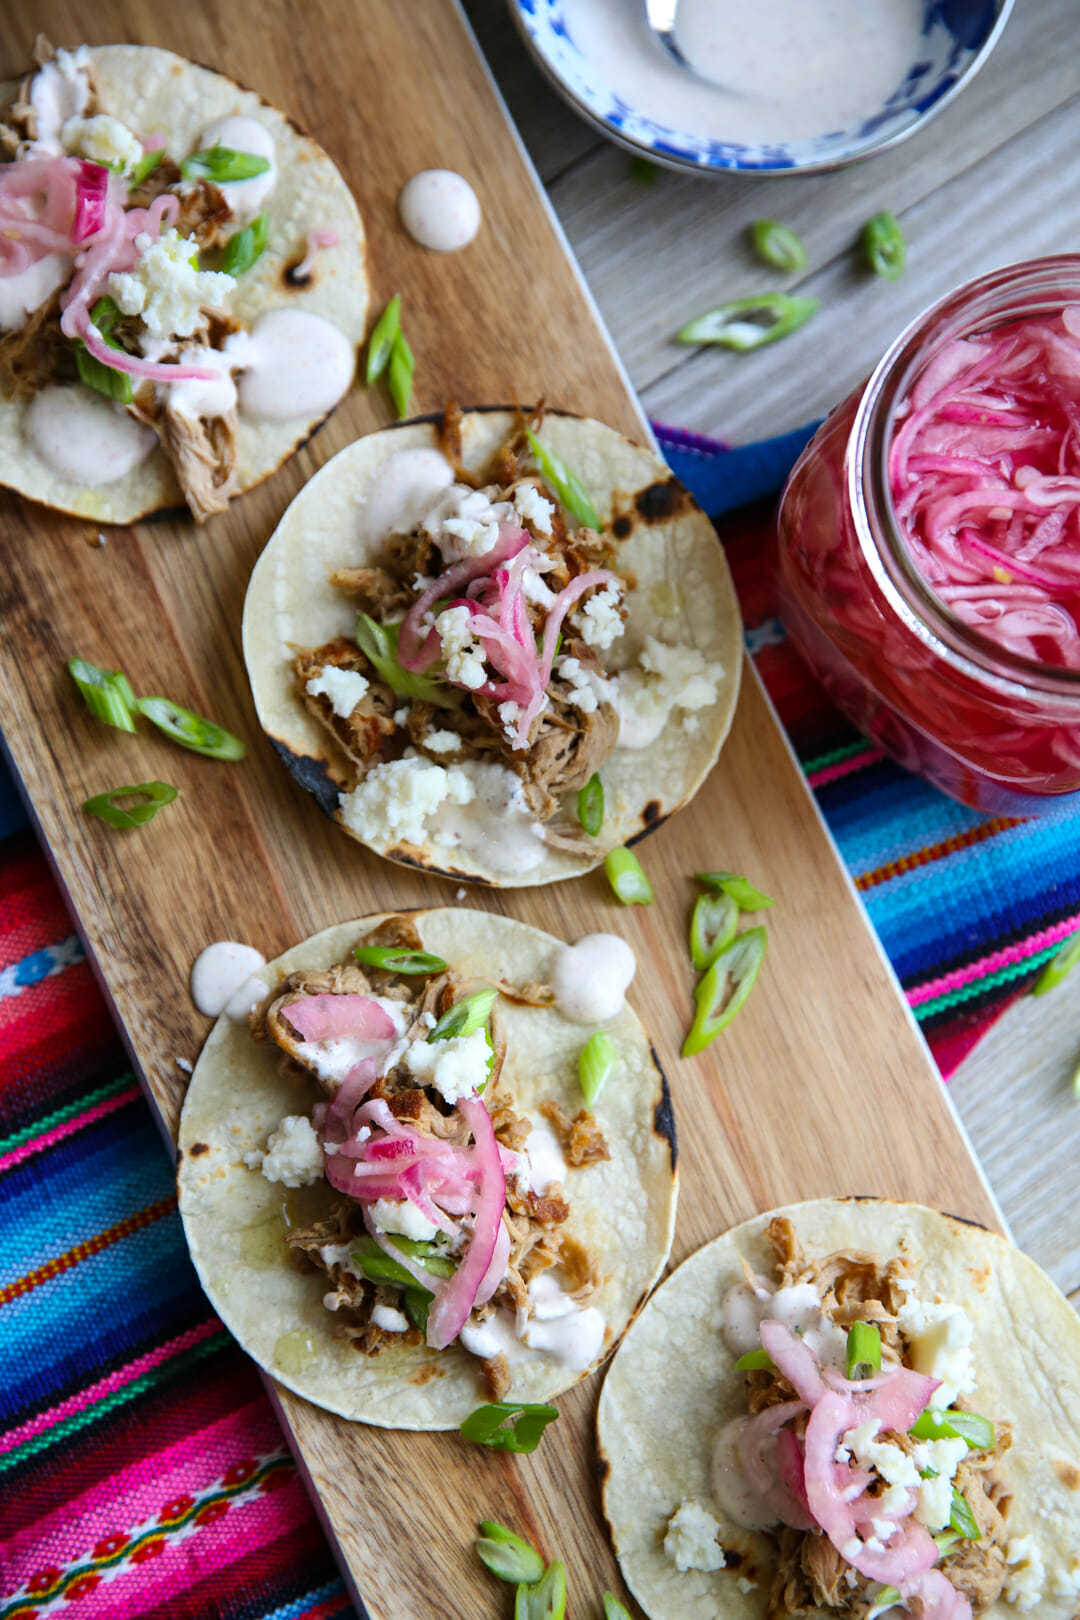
{"points": [[778, 245], [416, 1302], [380, 1267], [465, 1016], [507, 1555], [395, 960], [107, 692], [145, 166], [627, 878], [595, 1065], [745, 896], [863, 1357], [566, 484], [191, 730], [244, 247], [713, 925], [590, 805], [399, 374], [381, 340], [953, 1425], [1076, 1081], [378, 643], [508, 1425], [643, 171], [221, 164], [946, 1540], [725, 987], [750, 323], [155, 794], [1059, 966], [961, 1519], [883, 245], [755, 1361], [613, 1609], [887, 1598], [544, 1601], [104, 379]]}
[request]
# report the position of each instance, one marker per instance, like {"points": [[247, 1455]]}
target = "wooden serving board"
{"points": [[821, 1086]]}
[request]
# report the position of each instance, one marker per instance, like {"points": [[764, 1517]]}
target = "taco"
{"points": [[875, 1409], [394, 1194], [182, 284], [457, 627]]}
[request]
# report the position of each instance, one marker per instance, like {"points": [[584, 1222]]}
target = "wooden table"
{"points": [[996, 178]]}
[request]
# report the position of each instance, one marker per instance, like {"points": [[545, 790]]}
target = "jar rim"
{"points": [[883, 543]]}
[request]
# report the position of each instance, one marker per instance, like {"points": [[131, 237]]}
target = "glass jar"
{"points": [[996, 731]]}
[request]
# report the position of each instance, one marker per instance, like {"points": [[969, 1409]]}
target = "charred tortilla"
{"points": [[658, 1420], [678, 592], [621, 1208], [155, 92]]}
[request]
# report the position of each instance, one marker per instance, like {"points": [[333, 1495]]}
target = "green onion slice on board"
{"points": [[714, 923], [750, 323], [544, 1601], [107, 692], [627, 878], [724, 989], [1059, 966], [883, 245], [508, 1425], [381, 340], [744, 894], [508, 1556], [399, 373], [153, 794], [778, 245], [191, 730]]}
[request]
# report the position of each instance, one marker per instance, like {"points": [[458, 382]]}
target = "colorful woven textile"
{"points": [[142, 1473]]}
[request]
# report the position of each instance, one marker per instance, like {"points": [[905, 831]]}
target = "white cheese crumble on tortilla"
{"points": [[344, 688], [293, 1155], [691, 1540]]}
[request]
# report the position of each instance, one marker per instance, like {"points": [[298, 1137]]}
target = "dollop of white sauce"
{"points": [[83, 437], [22, 293], [242, 134], [223, 980], [440, 210], [557, 1326], [542, 1163], [495, 826], [797, 1307], [296, 365], [732, 1492], [59, 90], [403, 492], [196, 397], [591, 978]]}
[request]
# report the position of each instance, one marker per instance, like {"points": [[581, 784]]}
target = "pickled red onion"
{"points": [[329, 1018], [338, 1124], [794, 1359], [91, 190], [451, 1309]]}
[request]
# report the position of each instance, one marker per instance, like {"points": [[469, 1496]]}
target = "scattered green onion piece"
{"points": [[595, 1065], [465, 1016], [1076, 1081], [544, 1601], [713, 925], [883, 245], [946, 1540], [508, 1426], [613, 1609], [221, 164], [107, 692], [378, 643], [95, 373], [590, 805], [887, 1598], [378, 1266], [725, 987], [244, 247], [745, 896], [399, 374], [778, 245], [191, 730], [643, 171], [627, 878], [507, 1555], [155, 794], [863, 1358], [1059, 966], [953, 1425], [961, 1519], [416, 1302], [566, 484], [381, 340], [750, 323], [145, 166], [394, 960], [755, 1361]]}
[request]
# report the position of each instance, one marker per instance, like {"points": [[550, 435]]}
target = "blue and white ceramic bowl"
{"points": [[957, 37]]}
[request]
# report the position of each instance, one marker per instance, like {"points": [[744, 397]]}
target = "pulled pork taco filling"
{"points": [[451, 1220], [475, 696], [857, 1454], [120, 262]]}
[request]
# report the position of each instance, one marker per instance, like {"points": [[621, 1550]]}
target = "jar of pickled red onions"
{"points": [[929, 544]]}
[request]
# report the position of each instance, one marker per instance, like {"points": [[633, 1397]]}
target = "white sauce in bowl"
{"points": [[592, 977], [403, 491], [84, 438], [242, 134], [781, 70], [440, 210], [223, 980], [296, 365]]}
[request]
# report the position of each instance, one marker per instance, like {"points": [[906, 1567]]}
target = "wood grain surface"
{"points": [[822, 1085]]}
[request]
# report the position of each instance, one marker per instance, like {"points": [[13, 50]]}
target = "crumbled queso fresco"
{"points": [[456, 1067], [166, 287], [691, 1541], [464, 655], [901, 1473], [343, 687], [598, 619], [401, 1216], [940, 1336], [396, 798], [292, 1155], [103, 140], [1026, 1572]]}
